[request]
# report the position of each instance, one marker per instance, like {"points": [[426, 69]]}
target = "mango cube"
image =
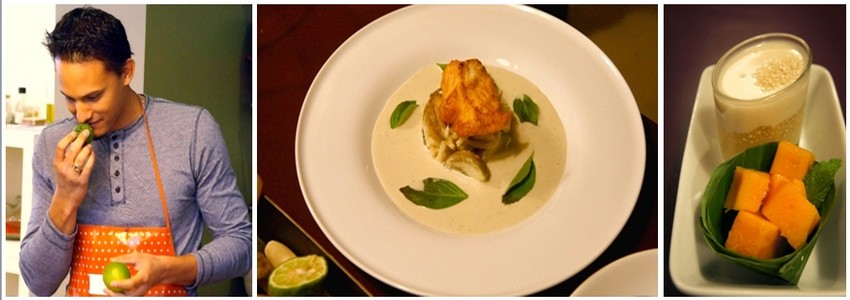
{"points": [[749, 187], [753, 235], [787, 207], [791, 161]]}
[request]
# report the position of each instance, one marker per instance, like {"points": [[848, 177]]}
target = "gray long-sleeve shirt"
{"points": [[200, 188]]}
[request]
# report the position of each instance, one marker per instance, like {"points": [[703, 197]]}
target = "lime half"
{"points": [[298, 276]]}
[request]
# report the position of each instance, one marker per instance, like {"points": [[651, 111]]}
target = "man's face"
{"points": [[93, 94]]}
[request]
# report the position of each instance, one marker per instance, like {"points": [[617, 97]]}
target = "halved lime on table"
{"points": [[298, 276]]}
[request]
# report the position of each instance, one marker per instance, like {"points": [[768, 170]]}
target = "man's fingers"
{"points": [[84, 161], [69, 150], [110, 293], [59, 154], [131, 287], [124, 285], [79, 142], [129, 258]]}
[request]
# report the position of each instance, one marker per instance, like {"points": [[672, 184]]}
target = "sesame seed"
{"points": [[775, 74]]}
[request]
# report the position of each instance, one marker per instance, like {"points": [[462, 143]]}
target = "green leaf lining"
{"points": [[788, 267]]}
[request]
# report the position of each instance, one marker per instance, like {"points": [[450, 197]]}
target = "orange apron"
{"points": [[95, 245]]}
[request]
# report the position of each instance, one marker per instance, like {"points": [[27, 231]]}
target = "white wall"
{"points": [[26, 62]]}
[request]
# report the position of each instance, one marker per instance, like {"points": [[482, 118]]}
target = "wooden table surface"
{"points": [[695, 37], [293, 42]]}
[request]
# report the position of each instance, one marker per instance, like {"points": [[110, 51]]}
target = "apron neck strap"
{"points": [[156, 170]]}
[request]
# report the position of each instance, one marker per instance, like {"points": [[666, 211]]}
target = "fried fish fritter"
{"points": [[471, 103]]}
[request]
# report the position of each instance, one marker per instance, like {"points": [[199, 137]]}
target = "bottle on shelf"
{"points": [[21, 105], [10, 109], [50, 111]]}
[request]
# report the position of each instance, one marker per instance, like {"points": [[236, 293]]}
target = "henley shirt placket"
{"points": [[116, 164]]}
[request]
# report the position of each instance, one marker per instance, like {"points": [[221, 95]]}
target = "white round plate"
{"points": [[601, 181], [633, 275]]}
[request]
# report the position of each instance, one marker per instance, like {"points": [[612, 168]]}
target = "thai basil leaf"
{"points": [[401, 112], [522, 183], [437, 194], [526, 110]]}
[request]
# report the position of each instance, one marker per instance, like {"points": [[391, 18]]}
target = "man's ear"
{"points": [[128, 70]]}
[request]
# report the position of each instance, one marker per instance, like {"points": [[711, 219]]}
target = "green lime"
{"points": [[115, 271], [298, 276], [84, 126]]}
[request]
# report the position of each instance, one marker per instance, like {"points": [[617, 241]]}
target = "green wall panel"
{"points": [[200, 54]]}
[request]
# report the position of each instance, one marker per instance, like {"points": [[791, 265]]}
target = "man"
{"points": [[140, 193]]}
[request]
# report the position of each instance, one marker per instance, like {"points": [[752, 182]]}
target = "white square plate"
{"points": [[694, 268]]}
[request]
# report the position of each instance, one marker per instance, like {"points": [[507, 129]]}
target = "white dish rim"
{"points": [[618, 266]]}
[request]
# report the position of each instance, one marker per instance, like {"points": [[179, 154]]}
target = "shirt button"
{"points": [[118, 189], [115, 145], [116, 158], [117, 173]]}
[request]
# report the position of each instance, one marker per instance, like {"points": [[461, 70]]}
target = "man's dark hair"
{"points": [[88, 33]]}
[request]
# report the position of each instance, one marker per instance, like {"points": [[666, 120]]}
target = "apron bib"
{"points": [[95, 245]]}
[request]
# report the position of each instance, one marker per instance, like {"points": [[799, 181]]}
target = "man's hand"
{"points": [[152, 270], [72, 164]]}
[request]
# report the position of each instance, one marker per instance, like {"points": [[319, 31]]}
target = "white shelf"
{"points": [[11, 255], [23, 138]]}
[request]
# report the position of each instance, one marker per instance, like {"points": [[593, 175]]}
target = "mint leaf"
{"points": [[820, 179], [522, 183], [437, 194], [526, 110], [401, 112], [442, 66]]}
